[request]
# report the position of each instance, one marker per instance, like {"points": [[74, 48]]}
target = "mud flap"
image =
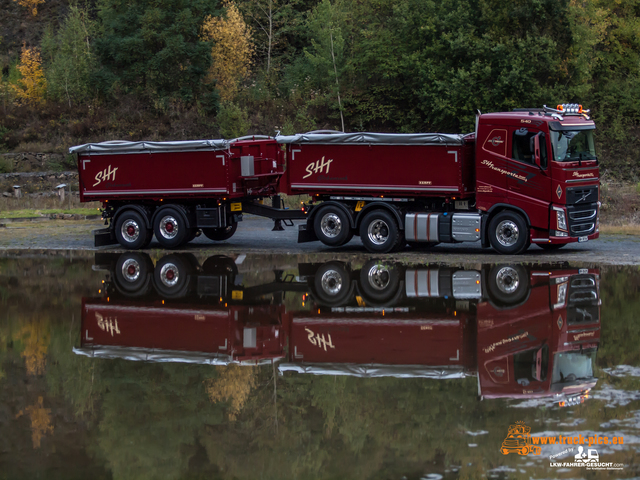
{"points": [[306, 234], [104, 236]]}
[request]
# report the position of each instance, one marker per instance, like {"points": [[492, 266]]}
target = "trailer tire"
{"points": [[170, 227], [220, 234], [508, 233], [379, 232], [379, 281], [131, 274], [332, 226], [131, 231], [171, 276], [332, 284], [508, 285]]}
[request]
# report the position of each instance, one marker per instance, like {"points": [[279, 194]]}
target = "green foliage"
{"points": [[232, 120], [69, 58], [153, 48]]}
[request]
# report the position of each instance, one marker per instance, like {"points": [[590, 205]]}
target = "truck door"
{"points": [[491, 165], [529, 185]]}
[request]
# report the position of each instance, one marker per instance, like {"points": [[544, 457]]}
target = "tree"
{"points": [[234, 383], [69, 57], [154, 49], [231, 52], [32, 85], [30, 4]]}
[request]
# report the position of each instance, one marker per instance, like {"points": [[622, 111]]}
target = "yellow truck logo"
{"points": [[519, 441]]}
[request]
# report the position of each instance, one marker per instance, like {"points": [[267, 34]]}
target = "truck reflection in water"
{"points": [[525, 332]]}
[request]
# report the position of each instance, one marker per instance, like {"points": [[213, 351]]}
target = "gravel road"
{"points": [[254, 235]]}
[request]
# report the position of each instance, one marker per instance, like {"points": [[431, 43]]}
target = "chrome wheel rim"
{"points": [[169, 227], [331, 282], [131, 270], [169, 274], [507, 280], [378, 276], [130, 231], [378, 232], [507, 233], [331, 225]]}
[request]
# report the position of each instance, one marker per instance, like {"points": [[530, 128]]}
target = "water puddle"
{"points": [[180, 366]]}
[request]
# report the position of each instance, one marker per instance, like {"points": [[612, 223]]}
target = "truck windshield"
{"points": [[571, 366], [573, 145]]}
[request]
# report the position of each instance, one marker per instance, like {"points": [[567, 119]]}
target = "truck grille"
{"points": [[582, 195], [582, 306], [582, 219]]}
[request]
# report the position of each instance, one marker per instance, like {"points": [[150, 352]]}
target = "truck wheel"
{"points": [[131, 231], [332, 227], [219, 234], [170, 228], [379, 232], [379, 281], [171, 276], [508, 284], [508, 233], [132, 273], [332, 284]]}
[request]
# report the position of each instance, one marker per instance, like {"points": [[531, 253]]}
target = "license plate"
{"points": [[583, 239]]}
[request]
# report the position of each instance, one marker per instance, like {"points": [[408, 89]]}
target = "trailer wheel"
{"points": [[508, 233], [332, 227], [332, 284], [132, 274], [170, 228], [171, 276], [379, 281], [131, 231], [508, 284], [219, 234], [379, 232]]}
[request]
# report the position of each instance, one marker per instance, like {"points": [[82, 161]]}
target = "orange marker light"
{"points": [[560, 107]]}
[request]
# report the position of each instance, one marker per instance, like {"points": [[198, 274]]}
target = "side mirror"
{"points": [[535, 147]]}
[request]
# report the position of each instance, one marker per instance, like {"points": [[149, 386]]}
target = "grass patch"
{"points": [[620, 229], [46, 213]]}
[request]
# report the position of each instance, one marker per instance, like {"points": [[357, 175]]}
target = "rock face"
{"points": [[32, 162], [38, 182]]}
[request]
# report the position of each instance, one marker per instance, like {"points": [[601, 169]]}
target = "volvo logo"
{"points": [[584, 197]]}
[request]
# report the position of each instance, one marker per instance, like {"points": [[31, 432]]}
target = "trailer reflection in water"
{"points": [[525, 332]]}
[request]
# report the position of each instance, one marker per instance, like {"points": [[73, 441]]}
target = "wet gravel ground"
{"points": [[254, 235]]}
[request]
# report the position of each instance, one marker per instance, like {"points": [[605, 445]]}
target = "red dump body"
{"points": [[375, 163], [207, 169]]}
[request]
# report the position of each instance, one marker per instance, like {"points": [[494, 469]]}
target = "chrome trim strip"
{"points": [[545, 240], [138, 192], [360, 187], [590, 179]]}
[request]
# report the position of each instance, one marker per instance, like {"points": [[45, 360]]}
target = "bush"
{"points": [[232, 121]]}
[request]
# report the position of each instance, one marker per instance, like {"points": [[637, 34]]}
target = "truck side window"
{"points": [[521, 147]]}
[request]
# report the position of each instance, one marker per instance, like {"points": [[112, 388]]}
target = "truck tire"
{"points": [[508, 233], [508, 285], [332, 226], [131, 274], [220, 234], [171, 276], [379, 232], [170, 227], [379, 282], [332, 284], [131, 230]]}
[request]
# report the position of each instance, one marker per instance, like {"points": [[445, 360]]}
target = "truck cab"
{"points": [[542, 165]]}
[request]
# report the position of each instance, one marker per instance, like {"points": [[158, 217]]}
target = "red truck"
{"points": [[527, 176], [525, 333]]}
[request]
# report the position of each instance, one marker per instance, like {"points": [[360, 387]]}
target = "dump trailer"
{"points": [[523, 177]]}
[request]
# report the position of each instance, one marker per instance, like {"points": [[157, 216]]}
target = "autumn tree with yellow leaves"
{"points": [[32, 85], [232, 50], [31, 5], [234, 383]]}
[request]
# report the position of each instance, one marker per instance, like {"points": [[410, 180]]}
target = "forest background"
{"points": [[75, 72]]}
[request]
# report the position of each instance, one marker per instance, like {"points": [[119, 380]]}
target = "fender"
{"points": [[180, 208], [348, 212], [384, 205], [138, 208]]}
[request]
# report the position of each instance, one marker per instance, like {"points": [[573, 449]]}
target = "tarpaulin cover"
{"points": [[163, 356], [137, 147], [367, 138], [375, 370]]}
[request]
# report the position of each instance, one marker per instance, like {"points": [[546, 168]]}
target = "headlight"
{"points": [[561, 219]]}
